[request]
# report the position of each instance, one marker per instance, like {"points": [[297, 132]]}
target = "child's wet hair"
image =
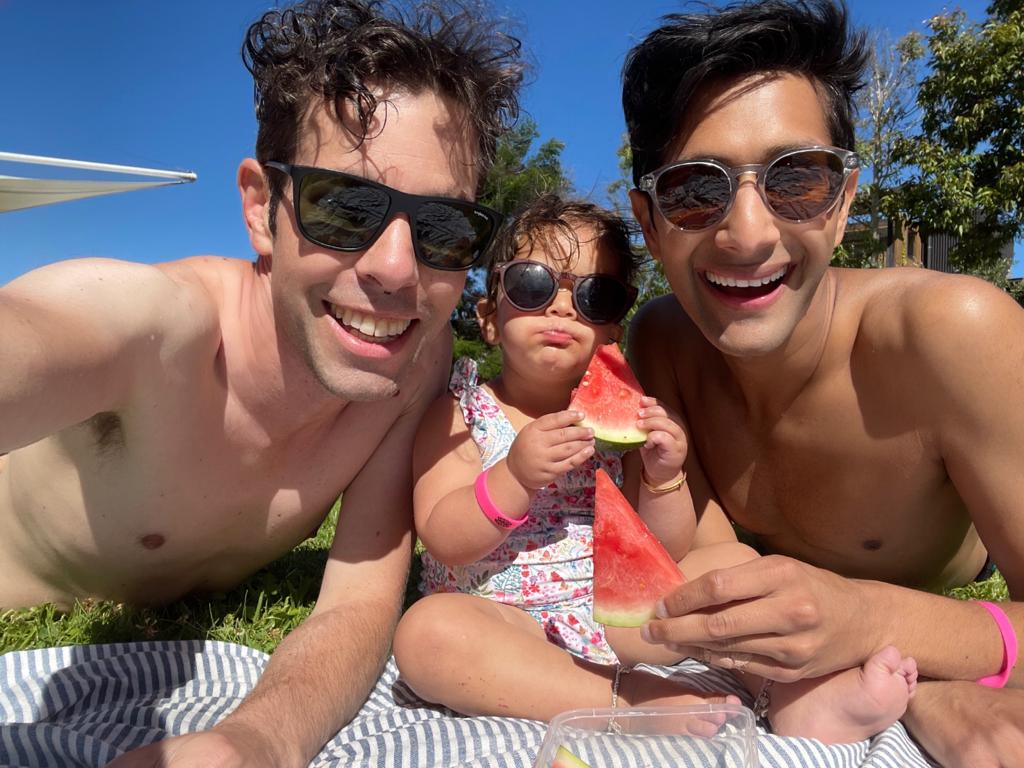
{"points": [[551, 218]]}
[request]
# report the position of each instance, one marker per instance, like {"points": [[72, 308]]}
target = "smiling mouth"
{"points": [[376, 330], [746, 289]]}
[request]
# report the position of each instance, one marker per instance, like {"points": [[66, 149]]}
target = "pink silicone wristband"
{"points": [[491, 512], [999, 679]]}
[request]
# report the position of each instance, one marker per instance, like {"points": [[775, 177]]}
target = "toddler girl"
{"points": [[504, 501]]}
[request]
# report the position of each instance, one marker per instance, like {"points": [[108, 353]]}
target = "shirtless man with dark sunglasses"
{"points": [[863, 425], [170, 429]]}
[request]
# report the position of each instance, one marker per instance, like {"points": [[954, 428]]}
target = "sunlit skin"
{"points": [[233, 409], [258, 394], [854, 420], [385, 283]]}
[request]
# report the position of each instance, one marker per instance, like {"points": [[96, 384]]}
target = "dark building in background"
{"points": [[906, 247]]}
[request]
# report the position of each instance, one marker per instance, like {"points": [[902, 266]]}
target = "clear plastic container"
{"points": [[698, 736]]}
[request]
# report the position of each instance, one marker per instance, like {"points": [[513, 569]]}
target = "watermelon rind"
{"points": [[615, 439], [632, 570], [566, 759], [609, 399]]}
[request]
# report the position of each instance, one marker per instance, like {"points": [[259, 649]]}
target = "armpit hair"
{"points": [[108, 431]]}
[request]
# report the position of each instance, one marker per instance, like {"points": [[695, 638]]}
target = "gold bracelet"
{"points": [[671, 485]]}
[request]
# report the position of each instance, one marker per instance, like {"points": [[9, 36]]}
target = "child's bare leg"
{"points": [[484, 658], [627, 643], [846, 706]]}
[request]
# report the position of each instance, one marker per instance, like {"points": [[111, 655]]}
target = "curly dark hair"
{"points": [[346, 50], [550, 217], [669, 69]]}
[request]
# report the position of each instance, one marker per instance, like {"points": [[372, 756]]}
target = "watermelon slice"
{"points": [[632, 570], [566, 759], [609, 399]]}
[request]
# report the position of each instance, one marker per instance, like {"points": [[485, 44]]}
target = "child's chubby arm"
{"points": [[446, 463], [655, 481]]}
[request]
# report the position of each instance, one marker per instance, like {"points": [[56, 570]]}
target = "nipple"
{"points": [[152, 541]]}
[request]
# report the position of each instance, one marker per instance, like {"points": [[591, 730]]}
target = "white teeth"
{"points": [[734, 283], [379, 328]]}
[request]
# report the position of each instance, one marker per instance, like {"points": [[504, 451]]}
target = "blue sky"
{"points": [[161, 84]]}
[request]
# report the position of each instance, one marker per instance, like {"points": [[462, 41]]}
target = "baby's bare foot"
{"points": [[847, 706]]}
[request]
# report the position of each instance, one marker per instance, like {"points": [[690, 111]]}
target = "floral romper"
{"points": [[545, 566]]}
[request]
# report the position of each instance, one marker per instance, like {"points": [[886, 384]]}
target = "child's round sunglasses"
{"points": [[533, 285], [796, 185], [347, 213]]}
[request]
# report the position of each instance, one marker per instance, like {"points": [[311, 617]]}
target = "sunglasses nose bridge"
{"points": [[563, 299], [390, 259]]}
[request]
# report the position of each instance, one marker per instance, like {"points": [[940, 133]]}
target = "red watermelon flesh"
{"points": [[609, 399], [632, 570], [566, 759]]}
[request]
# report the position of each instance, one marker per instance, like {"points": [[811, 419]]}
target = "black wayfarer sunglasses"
{"points": [[347, 213], [532, 285], [796, 185]]}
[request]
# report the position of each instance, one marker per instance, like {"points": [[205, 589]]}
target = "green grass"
{"points": [[993, 590], [259, 613]]}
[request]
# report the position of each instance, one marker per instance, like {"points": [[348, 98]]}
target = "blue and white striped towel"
{"points": [[84, 705]]}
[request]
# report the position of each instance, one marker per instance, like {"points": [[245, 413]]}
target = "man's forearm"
{"points": [[316, 681], [963, 724], [922, 625]]}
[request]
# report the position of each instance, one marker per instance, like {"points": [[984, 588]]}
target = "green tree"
{"points": [[650, 278], [520, 174], [969, 158], [517, 177], [887, 111]]}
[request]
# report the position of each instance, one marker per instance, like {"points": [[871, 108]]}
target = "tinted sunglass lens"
{"points": [[528, 286], [693, 196], [803, 185], [340, 212], [450, 235], [602, 299]]}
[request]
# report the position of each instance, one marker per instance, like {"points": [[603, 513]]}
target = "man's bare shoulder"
{"points": [[930, 314], [661, 324], [210, 280], [122, 300], [663, 344]]}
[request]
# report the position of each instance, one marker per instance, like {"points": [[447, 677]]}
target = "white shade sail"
{"points": [[18, 192]]}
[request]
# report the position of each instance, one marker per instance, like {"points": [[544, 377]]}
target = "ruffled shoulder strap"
{"points": [[490, 428], [465, 377]]}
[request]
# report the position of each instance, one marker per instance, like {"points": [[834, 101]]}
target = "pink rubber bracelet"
{"points": [[999, 679], [491, 512]]}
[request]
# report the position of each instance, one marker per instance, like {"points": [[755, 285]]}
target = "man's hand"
{"points": [[787, 620], [548, 447], [665, 450], [966, 725], [223, 747]]}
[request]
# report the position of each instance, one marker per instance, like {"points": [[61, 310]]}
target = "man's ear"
{"points": [[486, 318], [843, 209], [643, 212], [252, 185]]}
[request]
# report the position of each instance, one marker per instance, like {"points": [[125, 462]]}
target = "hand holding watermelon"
{"points": [[608, 399], [664, 452], [548, 447], [795, 620]]}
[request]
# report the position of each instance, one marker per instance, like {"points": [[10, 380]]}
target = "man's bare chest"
{"points": [[822, 484], [200, 499], [230, 469]]}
